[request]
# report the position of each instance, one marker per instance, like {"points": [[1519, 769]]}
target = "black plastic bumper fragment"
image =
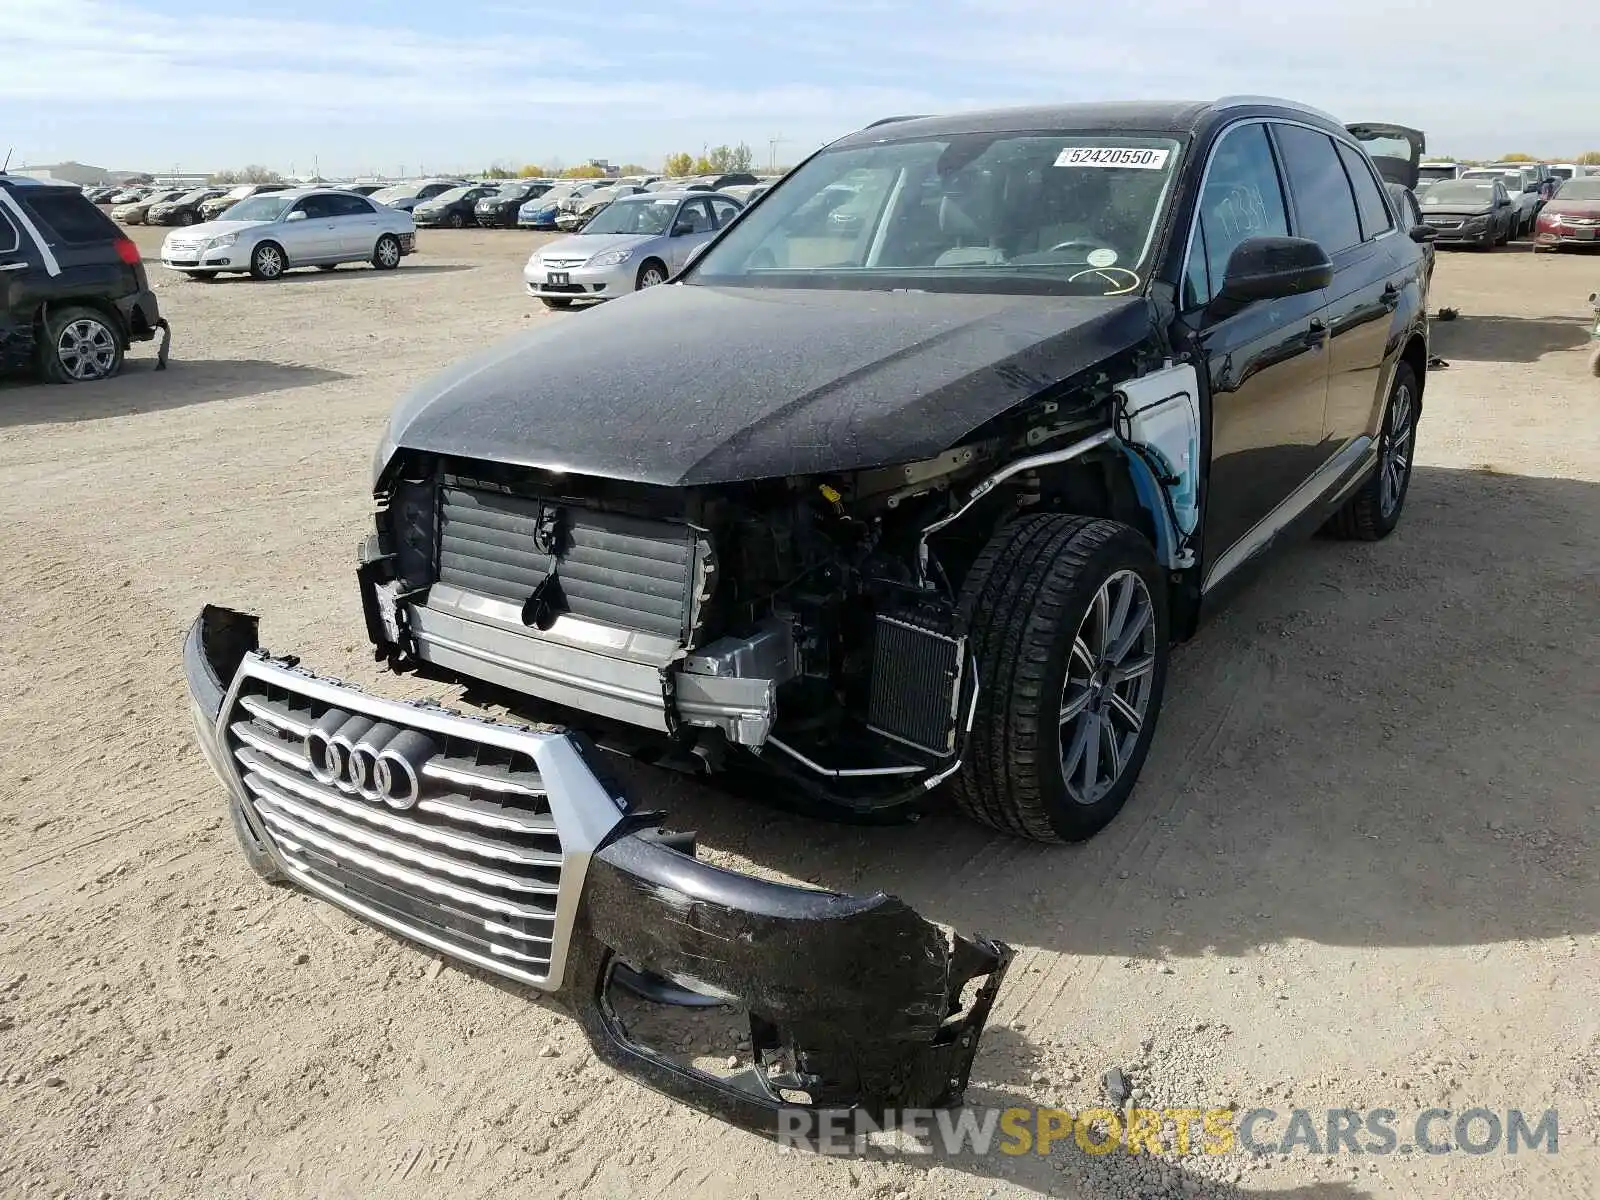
{"points": [[854, 1002]]}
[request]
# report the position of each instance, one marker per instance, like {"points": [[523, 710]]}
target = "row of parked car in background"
{"points": [[1558, 204]]}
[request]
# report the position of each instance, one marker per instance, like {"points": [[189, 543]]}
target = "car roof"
{"points": [[663, 194], [1155, 116]]}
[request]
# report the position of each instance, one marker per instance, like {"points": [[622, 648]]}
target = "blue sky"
{"points": [[364, 85]]}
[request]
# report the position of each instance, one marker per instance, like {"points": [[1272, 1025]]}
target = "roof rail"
{"points": [[1280, 102], [892, 120]]}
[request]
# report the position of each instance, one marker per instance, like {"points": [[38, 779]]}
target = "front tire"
{"points": [[457, 221], [186, 218], [80, 345], [1067, 619], [386, 254], [652, 274], [267, 262], [1374, 511]]}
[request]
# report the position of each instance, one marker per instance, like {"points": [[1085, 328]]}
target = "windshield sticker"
{"points": [[1112, 156], [1106, 257]]}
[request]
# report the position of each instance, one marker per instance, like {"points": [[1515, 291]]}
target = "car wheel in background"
{"points": [[80, 345], [652, 274], [550, 303], [386, 254], [1374, 511], [267, 261], [186, 218], [1067, 620], [457, 221]]}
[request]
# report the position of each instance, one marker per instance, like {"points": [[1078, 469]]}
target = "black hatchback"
{"points": [[74, 296]]}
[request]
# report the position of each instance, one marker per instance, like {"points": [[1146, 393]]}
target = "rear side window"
{"points": [[10, 239], [1322, 197], [1374, 213], [349, 206], [69, 216]]}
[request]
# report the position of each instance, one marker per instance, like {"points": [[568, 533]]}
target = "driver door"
{"points": [[1267, 363], [698, 225], [313, 237]]}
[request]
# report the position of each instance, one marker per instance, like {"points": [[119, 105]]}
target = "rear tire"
{"points": [[1373, 512], [386, 254], [80, 345], [1067, 619]]}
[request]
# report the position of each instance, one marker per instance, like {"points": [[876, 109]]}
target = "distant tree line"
{"points": [[251, 174]]}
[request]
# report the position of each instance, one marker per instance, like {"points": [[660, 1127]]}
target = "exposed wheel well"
{"points": [[1415, 356]]}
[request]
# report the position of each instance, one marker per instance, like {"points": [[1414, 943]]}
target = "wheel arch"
{"points": [[1415, 355], [98, 304]]}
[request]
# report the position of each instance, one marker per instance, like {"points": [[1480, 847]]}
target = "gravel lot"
{"points": [[1360, 869]]}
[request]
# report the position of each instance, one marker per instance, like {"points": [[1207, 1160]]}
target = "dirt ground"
{"points": [[1360, 869]]}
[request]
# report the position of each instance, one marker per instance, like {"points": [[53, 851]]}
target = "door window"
{"points": [[1374, 213], [348, 206], [695, 217], [432, 190], [1242, 199], [723, 210], [316, 208], [10, 239], [1323, 203]]}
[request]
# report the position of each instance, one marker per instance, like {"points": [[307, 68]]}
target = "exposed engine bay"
{"points": [[806, 627]]}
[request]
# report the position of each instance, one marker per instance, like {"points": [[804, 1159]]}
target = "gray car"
{"points": [[637, 242], [268, 235]]}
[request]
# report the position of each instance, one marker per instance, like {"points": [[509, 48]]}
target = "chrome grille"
{"points": [[475, 866]]}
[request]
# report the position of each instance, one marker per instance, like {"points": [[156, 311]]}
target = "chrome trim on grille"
{"points": [[486, 868]]}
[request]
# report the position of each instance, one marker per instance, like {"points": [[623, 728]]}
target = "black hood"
{"points": [[1456, 210], [684, 385]]}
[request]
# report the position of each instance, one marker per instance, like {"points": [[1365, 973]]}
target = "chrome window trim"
{"points": [[1283, 182]]}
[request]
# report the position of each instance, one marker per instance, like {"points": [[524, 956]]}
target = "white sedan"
{"points": [[309, 227]]}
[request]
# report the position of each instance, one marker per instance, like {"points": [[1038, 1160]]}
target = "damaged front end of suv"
{"points": [[828, 541]]}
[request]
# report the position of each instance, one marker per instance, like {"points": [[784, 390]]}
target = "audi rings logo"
{"points": [[367, 758]]}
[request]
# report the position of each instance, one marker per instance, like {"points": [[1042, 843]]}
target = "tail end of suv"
{"points": [[74, 296]]}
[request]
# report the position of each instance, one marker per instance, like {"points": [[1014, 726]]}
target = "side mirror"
{"points": [[1271, 268], [1533, 187], [298, 214], [682, 229], [1423, 233]]}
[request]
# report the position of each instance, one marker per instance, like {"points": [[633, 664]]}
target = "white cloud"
{"points": [[633, 80]]}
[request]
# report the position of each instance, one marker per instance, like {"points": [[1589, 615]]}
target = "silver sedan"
{"points": [[309, 227], [635, 242]]}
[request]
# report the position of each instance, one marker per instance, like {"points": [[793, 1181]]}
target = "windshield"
{"points": [[398, 191], [513, 191], [1461, 191], [1430, 174], [259, 208], [454, 194], [1512, 179], [645, 217], [1054, 212], [1580, 189], [240, 192], [197, 195]]}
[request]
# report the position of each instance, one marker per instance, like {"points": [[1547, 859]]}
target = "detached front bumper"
{"points": [[504, 847]]}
